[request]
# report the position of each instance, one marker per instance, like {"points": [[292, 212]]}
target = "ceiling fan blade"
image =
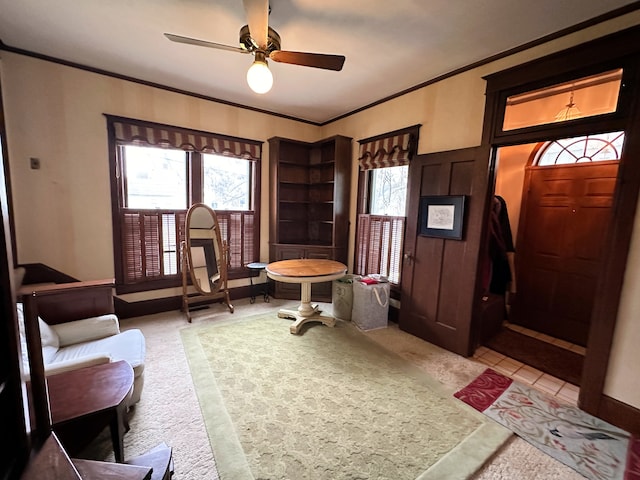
{"points": [[203, 43], [258, 19], [317, 60]]}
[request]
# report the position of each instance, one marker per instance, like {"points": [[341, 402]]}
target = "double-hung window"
{"points": [[384, 167], [158, 172]]}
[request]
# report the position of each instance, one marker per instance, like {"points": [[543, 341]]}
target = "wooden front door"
{"points": [[438, 275], [563, 227]]}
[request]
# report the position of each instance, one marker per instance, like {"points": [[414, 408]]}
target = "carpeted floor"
{"points": [[329, 403], [169, 410], [546, 357]]}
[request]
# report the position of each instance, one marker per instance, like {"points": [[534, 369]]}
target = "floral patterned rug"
{"points": [[327, 404], [592, 447]]}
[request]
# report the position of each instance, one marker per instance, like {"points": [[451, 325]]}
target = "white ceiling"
{"points": [[390, 46]]}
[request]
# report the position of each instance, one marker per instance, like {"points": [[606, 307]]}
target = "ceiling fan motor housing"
{"points": [[246, 42]]}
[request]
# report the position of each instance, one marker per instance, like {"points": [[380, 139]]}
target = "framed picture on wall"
{"points": [[442, 216]]}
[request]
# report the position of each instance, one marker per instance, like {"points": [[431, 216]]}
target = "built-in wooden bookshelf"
{"points": [[309, 204]]}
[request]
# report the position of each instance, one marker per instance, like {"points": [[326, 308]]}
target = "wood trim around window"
{"points": [[194, 195]]}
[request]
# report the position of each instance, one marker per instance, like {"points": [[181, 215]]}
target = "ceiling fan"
{"points": [[263, 42]]}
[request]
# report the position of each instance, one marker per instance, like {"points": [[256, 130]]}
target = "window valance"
{"points": [[390, 150], [135, 132]]}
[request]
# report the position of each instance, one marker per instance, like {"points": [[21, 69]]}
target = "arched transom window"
{"points": [[589, 148]]}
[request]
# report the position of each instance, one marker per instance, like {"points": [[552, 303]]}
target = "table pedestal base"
{"points": [[306, 312], [305, 271], [301, 319]]}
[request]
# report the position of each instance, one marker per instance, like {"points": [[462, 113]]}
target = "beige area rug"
{"points": [[330, 403], [169, 410]]}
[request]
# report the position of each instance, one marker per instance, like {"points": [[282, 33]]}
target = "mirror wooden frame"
{"points": [[204, 260]]}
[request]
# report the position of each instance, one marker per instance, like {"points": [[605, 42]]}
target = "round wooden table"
{"points": [[305, 271]]}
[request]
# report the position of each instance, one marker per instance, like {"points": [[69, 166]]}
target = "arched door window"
{"points": [[590, 148]]}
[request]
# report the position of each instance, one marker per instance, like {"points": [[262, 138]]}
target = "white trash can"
{"points": [[342, 297], [370, 305]]}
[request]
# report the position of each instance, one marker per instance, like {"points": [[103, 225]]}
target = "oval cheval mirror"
{"points": [[204, 259]]}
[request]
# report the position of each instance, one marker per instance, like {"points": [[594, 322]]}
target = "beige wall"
{"points": [[55, 113], [623, 381], [63, 213]]}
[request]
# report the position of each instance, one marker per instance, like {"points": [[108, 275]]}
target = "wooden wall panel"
{"points": [[431, 179], [449, 313]]}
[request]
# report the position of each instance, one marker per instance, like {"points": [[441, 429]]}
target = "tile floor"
{"points": [[562, 390]]}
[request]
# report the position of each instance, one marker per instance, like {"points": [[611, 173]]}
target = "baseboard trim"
{"points": [[620, 414], [126, 309]]}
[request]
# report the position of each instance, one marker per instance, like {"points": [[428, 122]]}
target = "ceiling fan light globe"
{"points": [[259, 77]]}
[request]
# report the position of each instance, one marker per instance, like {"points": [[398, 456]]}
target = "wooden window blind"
{"points": [[237, 231], [379, 239], [150, 242]]}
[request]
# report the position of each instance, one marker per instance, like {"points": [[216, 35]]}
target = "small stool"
{"points": [[257, 267]]}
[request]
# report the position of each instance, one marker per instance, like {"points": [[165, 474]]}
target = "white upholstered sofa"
{"points": [[82, 342]]}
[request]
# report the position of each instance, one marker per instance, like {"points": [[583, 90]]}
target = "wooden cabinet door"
{"points": [[319, 253], [287, 252], [320, 292]]}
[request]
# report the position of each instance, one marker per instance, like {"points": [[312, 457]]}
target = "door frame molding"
{"points": [[618, 50]]}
